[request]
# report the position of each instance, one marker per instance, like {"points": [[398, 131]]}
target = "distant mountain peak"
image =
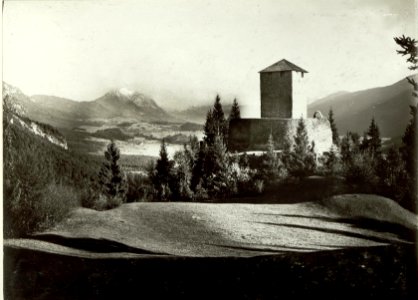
{"points": [[123, 92]]}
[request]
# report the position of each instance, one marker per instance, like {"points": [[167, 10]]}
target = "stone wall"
{"points": [[253, 134], [276, 94]]}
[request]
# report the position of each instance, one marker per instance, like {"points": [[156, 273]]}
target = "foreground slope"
{"points": [[219, 230]]}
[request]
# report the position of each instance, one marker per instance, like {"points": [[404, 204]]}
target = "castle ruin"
{"points": [[281, 108]]}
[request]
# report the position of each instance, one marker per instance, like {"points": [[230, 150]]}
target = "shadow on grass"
{"points": [[91, 244], [332, 231], [402, 232], [255, 248]]}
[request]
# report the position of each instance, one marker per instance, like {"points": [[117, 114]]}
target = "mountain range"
{"points": [[353, 111], [66, 113]]}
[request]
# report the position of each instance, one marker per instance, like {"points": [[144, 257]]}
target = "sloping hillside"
{"points": [[353, 111], [217, 230]]}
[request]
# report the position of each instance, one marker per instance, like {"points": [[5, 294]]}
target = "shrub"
{"points": [[139, 188], [259, 186], [40, 210], [55, 203], [200, 194], [331, 163], [88, 197], [361, 170]]}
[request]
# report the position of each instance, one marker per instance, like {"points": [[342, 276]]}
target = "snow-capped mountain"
{"points": [[16, 105], [65, 113]]}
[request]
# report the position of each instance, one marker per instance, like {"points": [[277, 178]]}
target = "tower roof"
{"points": [[283, 65]]}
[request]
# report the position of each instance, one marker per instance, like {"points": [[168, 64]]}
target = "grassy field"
{"points": [[338, 248]]}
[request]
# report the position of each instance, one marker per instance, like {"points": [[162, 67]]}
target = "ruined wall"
{"points": [[252, 134], [276, 94]]}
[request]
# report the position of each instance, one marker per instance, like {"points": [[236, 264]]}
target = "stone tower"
{"points": [[277, 86]]}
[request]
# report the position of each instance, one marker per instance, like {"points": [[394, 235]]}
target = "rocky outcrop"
{"points": [[40, 130]]}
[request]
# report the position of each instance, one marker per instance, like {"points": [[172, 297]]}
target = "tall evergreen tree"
{"points": [[235, 111], [371, 140], [209, 128], [303, 157], [162, 175], [216, 124], [272, 167], [335, 137], [111, 178], [409, 140], [218, 175]]}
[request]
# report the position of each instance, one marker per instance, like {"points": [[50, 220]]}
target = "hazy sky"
{"points": [[183, 52]]}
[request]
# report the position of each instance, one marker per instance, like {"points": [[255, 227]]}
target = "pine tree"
{"points": [[219, 117], [162, 175], [111, 179], [235, 111], [209, 128], [302, 158], [409, 48], [371, 140], [335, 137], [301, 139], [409, 139], [216, 124], [218, 175], [272, 166]]}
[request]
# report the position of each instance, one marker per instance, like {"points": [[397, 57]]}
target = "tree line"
{"points": [[42, 182]]}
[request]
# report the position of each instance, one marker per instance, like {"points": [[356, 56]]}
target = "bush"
{"points": [[88, 197], [139, 188], [331, 163], [38, 211], [56, 202], [361, 170], [259, 186]]}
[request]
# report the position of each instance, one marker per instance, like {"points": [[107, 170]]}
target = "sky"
{"points": [[182, 53]]}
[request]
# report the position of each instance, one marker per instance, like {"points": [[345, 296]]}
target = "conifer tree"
{"points": [[235, 111], [216, 124], [335, 137], [111, 179], [209, 128], [270, 163], [371, 140], [303, 158], [162, 175], [409, 139]]}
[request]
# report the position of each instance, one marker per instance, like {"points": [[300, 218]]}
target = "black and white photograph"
{"points": [[209, 149]]}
